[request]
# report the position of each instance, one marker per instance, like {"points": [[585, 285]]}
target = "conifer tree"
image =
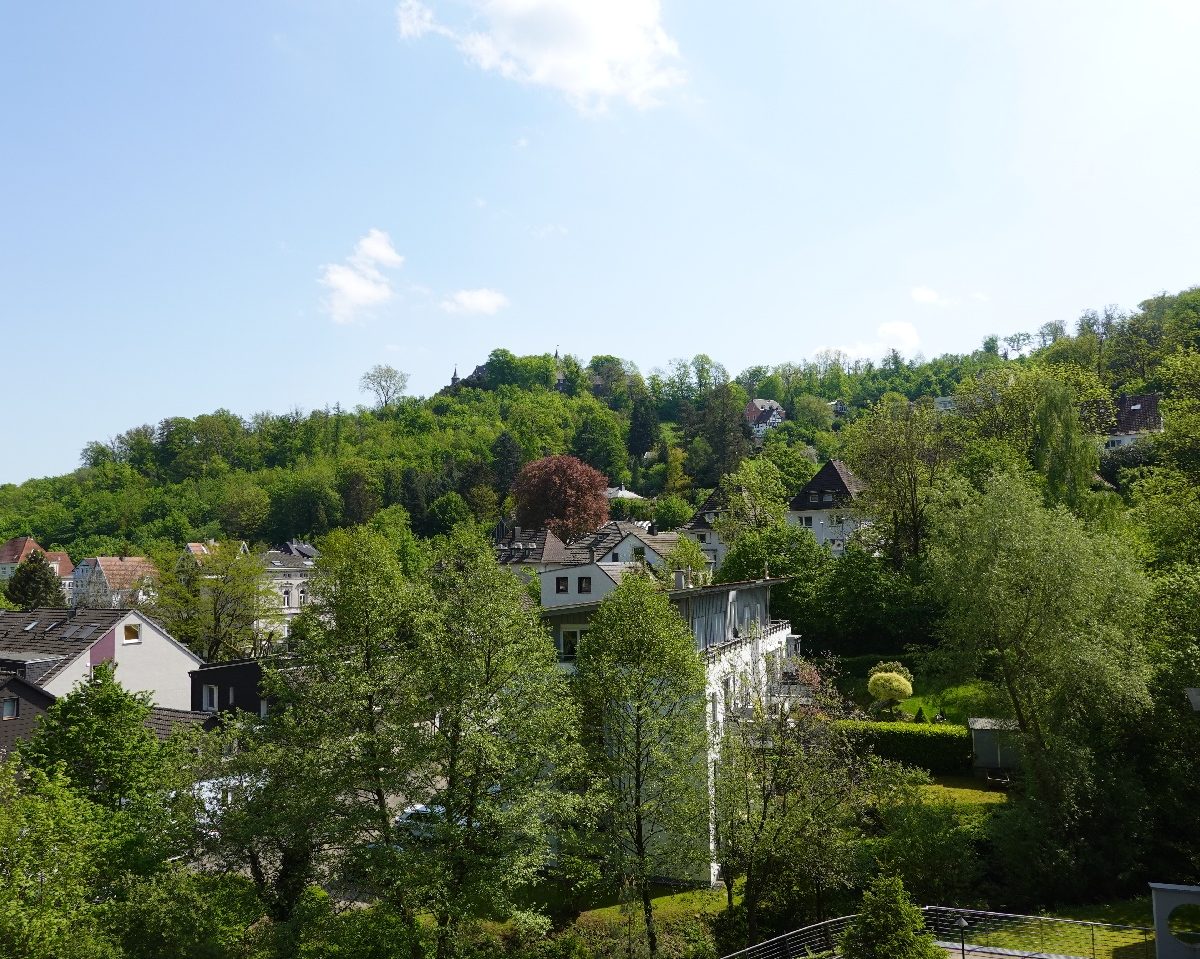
{"points": [[35, 585]]}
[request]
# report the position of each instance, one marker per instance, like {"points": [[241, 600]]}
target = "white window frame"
{"points": [[4, 708], [209, 699], [137, 634]]}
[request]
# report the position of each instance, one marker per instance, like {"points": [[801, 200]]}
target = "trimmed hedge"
{"points": [[937, 747]]}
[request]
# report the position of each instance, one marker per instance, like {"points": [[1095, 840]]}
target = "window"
{"points": [[703, 537], [568, 644], [230, 701], [287, 598], [813, 497], [616, 557], [639, 553], [585, 584], [827, 497], [561, 584], [303, 595], [10, 708], [807, 522], [262, 708], [132, 633], [209, 699]]}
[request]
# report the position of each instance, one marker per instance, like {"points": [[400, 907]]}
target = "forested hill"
{"points": [[673, 432]]}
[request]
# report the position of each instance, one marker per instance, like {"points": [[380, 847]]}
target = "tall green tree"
{"points": [[790, 797], [56, 861], [34, 585], [901, 451], [98, 733], [490, 769], [642, 685], [219, 604], [1043, 605], [754, 498]]}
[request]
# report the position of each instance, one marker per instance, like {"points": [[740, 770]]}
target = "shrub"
{"points": [[889, 926], [892, 666], [889, 687], [920, 717], [940, 748]]}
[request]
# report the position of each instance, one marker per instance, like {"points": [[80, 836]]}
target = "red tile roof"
{"points": [[18, 549]]}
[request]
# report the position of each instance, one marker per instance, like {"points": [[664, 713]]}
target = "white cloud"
{"points": [[359, 283], [923, 294], [591, 52], [414, 20], [897, 335], [485, 301], [522, 143]]}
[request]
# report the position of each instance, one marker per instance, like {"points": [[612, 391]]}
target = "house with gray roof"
{"points": [[44, 653], [825, 506]]}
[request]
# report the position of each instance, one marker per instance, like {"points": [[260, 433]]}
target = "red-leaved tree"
{"points": [[563, 494]]}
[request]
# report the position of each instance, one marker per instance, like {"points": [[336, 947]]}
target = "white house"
{"points": [[734, 633], [56, 648], [762, 415], [614, 542], [825, 506], [288, 569], [110, 582], [1137, 416]]}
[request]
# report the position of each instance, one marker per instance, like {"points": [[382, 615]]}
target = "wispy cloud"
{"points": [[591, 52], [547, 230], [482, 301], [359, 283], [896, 335], [930, 297]]}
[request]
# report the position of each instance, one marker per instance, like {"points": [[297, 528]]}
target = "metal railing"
{"points": [[980, 934], [1006, 934], [819, 939]]}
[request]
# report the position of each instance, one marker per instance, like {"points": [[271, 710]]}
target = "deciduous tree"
{"points": [[385, 383], [34, 584], [562, 494], [642, 685]]}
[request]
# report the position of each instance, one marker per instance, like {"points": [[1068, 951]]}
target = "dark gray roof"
{"points": [[520, 546], [296, 548], [53, 634], [163, 721], [1138, 414], [834, 478], [713, 504]]}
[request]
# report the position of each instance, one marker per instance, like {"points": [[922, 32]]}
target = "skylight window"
{"points": [[31, 625]]}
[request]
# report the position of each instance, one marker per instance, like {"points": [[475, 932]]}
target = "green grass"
{"points": [[669, 903], [1123, 912], [959, 702], [963, 791]]}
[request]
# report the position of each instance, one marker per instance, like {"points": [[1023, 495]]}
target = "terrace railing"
{"points": [[972, 932]]}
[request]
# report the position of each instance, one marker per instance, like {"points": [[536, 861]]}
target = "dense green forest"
{"points": [[1009, 568], [674, 431]]}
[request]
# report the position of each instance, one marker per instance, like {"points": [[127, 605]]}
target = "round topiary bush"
{"points": [[889, 687]]}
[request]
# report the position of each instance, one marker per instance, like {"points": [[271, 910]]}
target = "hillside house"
{"points": [[288, 569], [763, 415], [700, 529], [112, 582], [825, 506], [1136, 417], [614, 542], [20, 548], [44, 653]]}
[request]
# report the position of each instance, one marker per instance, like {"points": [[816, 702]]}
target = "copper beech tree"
{"points": [[563, 494]]}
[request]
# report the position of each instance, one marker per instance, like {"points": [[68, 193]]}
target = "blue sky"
{"points": [[245, 205]]}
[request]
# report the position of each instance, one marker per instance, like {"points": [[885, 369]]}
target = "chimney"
{"points": [[681, 579], [592, 553]]}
